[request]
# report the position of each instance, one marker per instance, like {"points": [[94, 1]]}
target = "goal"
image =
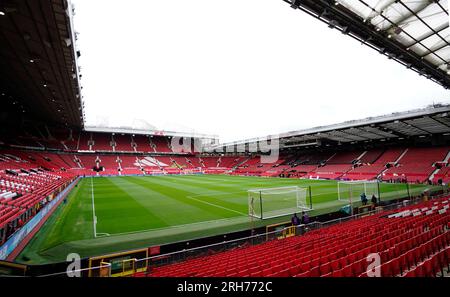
{"points": [[352, 190], [268, 203]]}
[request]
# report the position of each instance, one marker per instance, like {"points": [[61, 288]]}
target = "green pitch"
{"points": [[110, 214]]}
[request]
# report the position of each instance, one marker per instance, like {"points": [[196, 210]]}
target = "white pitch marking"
{"points": [[93, 209], [219, 206]]}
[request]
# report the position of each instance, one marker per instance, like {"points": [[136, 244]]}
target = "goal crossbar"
{"points": [[289, 188], [267, 203], [352, 190]]}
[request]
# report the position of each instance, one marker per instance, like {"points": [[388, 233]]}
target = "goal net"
{"points": [[352, 190], [274, 202]]}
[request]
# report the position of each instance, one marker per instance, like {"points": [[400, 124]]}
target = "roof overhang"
{"points": [[133, 131], [433, 120], [38, 63], [414, 33]]}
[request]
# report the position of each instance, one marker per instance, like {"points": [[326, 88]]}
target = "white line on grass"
{"points": [[184, 226], [93, 209], [208, 194], [216, 205]]}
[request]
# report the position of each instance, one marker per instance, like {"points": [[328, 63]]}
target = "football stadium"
{"points": [[324, 201]]}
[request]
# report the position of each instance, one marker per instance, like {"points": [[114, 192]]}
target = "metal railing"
{"points": [[104, 270]]}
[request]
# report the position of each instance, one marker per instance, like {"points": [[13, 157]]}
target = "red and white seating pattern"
{"points": [[22, 194]]}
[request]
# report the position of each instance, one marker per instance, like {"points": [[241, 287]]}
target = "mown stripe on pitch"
{"points": [[237, 203], [171, 209], [118, 211], [179, 192]]}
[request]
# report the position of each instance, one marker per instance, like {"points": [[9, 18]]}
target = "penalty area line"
{"points": [[216, 205]]}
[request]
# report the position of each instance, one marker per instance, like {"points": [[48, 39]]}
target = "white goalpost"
{"points": [[352, 190], [268, 203]]}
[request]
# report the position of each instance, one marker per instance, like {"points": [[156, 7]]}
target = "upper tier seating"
{"points": [[370, 170], [71, 142], [160, 144], [371, 156], [337, 166], [102, 142], [84, 141], [344, 157], [142, 143], [390, 155], [52, 144], [313, 158], [417, 164], [122, 143], [28, 142]]}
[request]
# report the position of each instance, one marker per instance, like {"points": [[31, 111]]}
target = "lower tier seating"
{"points": [[414, 240], [22, 195]]}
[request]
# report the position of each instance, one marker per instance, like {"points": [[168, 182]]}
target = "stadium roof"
{"points": [[38, 62], [152, 132], [414, 33], [402, 125]]}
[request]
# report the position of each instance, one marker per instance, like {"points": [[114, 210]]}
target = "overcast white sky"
{"points": [[235, 68]]}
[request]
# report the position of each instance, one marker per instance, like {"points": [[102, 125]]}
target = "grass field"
{"points": [[134, 212]]}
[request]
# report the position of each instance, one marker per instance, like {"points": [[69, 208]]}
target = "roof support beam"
{"points": [[440, 122], [355, 27], [422, 38], [411, 13], [426, 24], [411, 125], [376, 8]]}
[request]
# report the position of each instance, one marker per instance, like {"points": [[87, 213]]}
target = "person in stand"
{"points": [[305, 218], [295, 220], [374, 201], [363, 198]]}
